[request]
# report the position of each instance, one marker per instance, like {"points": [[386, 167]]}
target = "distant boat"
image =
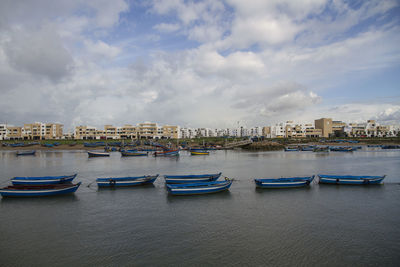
{"points": [[166, 153], [43, 180], [199, 188], [126, 181], [284, 182], [291, 149], [343, 148], [321, 149], [177, 179], [197, 153], [350, 179], [133, 154], [38, 190], [307, 148], [26, 153], [98, 154], [391, 147]]}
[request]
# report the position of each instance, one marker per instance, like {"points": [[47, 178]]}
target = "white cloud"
{"points": [[167, 27], [99, 48]]}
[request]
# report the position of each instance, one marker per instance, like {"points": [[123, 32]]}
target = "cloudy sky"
{"points": [[199, 63]]}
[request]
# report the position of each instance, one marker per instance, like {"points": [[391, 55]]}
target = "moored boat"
{"points": [[133, 154], [43, 180], [198, 178], [26, 153], [126, 181], [291, 148], [350, 179], [321, 149], [166, 153], [98, 154], [38, 190], [342, 148], [284, 182], [199, 188], [199, 152]]}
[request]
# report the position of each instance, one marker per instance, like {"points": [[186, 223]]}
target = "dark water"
{"points": [[324, 225]]}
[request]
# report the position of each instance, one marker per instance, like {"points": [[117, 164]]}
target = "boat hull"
{"points": [[26, 153], [167, 153], [39, 191], [350, 180], [179, 179], [200, 189], [199, 153], [98, 154], [125, 181], [284, 182], [133, 154], [43, 180]]}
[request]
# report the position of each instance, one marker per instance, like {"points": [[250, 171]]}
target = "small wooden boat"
{"points": [[350, 179], [26, 153], [166, 153], [177, 179], [343, 149], [291, 148], [199, 188], [284, 182], [43, 180], [321, 149], [38, 190], [126, 181], [390, 146], [133, 154], [198, 153], [98, 154]]}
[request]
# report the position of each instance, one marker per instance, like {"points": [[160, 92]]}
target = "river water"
{"points": [[323, 225]]}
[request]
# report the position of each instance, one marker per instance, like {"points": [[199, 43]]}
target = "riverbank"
{"points": [[263, 145]]}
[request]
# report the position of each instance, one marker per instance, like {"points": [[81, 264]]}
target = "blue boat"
{"points": [[166, 153], [26, 153], [38, 190], [126, 181], [133, 154], [92, 154], [199, 188], [47, 145], [350, 179], [291, 149], [390, 146], [178, 179], [284, 182], [43, 180], [343, 148]]}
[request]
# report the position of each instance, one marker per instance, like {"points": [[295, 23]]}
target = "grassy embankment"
{"points": [[267, 144]]}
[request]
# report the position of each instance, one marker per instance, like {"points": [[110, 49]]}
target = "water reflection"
{"points": [[209, 197]]}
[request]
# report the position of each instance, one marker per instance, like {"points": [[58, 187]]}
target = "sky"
{"points": [[215, 64]]}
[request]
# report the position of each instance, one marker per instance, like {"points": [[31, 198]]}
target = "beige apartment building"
{"points": [[325, 124], [147, 130], [169, 131], [42, 131]]}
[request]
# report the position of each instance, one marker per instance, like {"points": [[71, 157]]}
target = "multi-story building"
{"points": [[3, 132], [88, 132], [14, 132], [42, 131], [169, 131], [148, 130], [325, 124], [128, 132]]}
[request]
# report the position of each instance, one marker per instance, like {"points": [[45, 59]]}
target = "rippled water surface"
{"points": [[323, 225]]}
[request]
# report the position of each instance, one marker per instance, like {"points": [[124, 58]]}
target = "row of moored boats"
{"points": [[175, 184]]}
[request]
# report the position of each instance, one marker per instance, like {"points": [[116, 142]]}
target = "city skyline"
{"points": [[199, 63]]}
